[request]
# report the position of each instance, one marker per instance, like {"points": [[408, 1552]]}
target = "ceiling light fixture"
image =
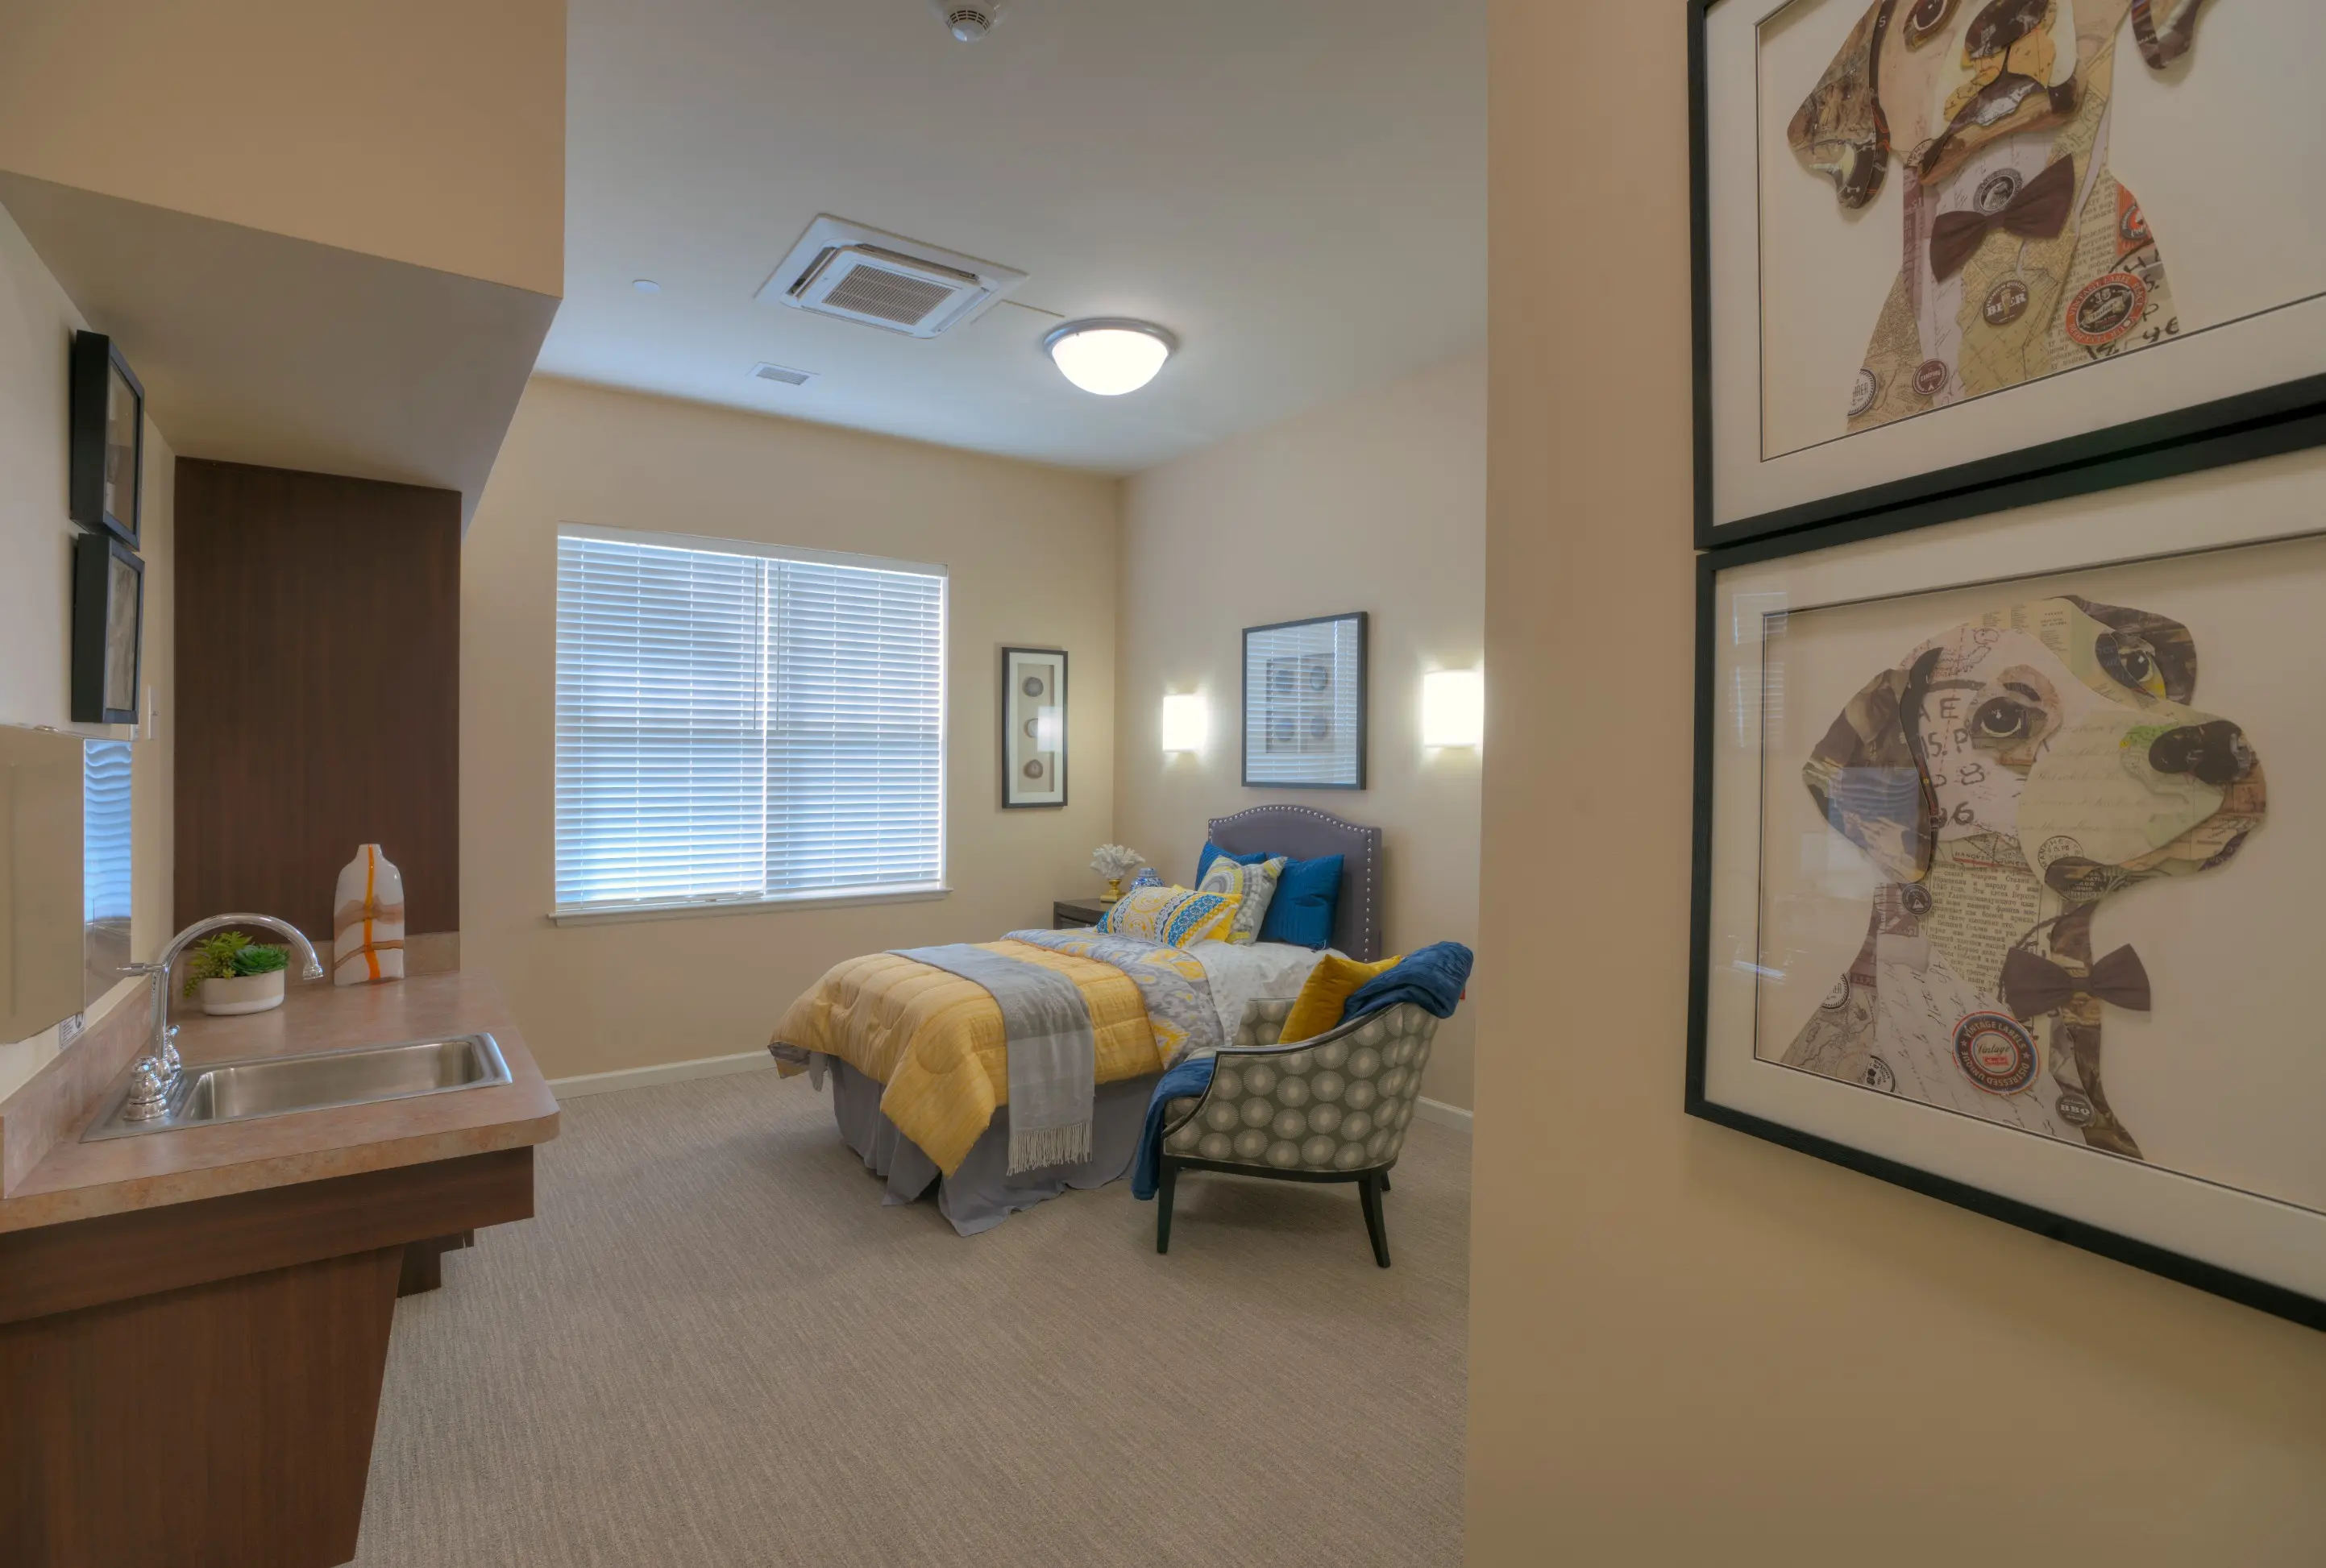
{"points": [[1110, 355], [645, 285]]}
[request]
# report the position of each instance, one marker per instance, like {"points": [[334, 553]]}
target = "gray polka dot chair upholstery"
{"points": [[1334, 1108]]}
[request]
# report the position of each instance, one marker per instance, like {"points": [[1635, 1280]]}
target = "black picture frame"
{"points": [[2284, 417], [1012, 722], [97, 372], [109, 630], [1363, 622], [2261, 1294]]}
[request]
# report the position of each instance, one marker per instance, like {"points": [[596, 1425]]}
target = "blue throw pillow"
{"points": [[1211, 853], [1306, 895]]}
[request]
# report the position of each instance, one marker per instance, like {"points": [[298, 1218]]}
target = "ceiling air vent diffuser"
{"points": [[844, 269]]}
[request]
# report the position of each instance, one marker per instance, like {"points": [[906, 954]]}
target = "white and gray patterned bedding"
{"points": [[1171, 982], [1242, 973]]}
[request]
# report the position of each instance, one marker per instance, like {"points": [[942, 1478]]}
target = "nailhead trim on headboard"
{"points": [[1368, 841]]}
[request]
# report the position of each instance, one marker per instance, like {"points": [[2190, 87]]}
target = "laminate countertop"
{"points": [[72, 1180]]}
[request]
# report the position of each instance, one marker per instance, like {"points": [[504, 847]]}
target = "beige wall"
{"points": [[1032, 556], [37, 322], [1374, 503], [1687, 1345], [426, 131]]}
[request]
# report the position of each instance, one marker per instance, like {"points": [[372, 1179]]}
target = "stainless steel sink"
{"points": [[319, 1081]]}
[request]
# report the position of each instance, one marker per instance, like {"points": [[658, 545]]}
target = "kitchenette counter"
{"points": [[72, 1179], [215, 1301]]}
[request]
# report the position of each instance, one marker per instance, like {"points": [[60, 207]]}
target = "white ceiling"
{"points": [[1296, 187]]}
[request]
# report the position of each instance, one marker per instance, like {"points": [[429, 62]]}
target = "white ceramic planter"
{"points": [[227, 995]]}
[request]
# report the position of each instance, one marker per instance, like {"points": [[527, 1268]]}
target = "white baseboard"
{"points": [[660, 1073], [1443, 1114]]}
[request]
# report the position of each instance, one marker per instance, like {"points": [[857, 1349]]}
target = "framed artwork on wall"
{"points": [[2008, 838], [1304, 704], [1923, 278], [107, 440], [1033, 727], [108, 604]]}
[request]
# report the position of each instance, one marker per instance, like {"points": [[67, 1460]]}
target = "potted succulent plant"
{"points": [[229, 973]]}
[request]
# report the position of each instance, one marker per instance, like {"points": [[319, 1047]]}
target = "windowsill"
{"points": [[610, 914]]}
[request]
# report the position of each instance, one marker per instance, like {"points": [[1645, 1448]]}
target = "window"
{"points": [[105, 829], [738, 723]]}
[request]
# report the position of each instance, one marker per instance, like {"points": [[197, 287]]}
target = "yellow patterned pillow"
{"points": [[1178, 915], [1253, 887], [1325, 994]]}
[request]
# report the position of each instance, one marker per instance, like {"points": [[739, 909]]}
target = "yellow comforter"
{"points": [[937, 1041]]}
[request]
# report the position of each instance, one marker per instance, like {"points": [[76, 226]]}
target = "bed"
{"points": [[919, 1067]]}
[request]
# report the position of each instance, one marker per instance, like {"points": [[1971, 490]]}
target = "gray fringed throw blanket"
{"points": [[1053, 1056]]}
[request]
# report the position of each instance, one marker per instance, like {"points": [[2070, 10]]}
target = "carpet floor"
{"points": [[713, 1346]]}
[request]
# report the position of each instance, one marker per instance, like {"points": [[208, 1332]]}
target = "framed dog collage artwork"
{"points": [[2009, 835], [1944, 246], [2011, 757]]}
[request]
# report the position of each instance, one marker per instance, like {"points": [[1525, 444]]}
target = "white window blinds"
{"points": [[105, 832], [735, 724]]}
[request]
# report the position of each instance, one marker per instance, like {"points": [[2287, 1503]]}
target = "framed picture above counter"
{"points": [[108, 606], [107, 447]]}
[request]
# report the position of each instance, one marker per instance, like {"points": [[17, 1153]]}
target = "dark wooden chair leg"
{"points": [[1370, 1187], [1165, 1188], [1384, 1181]]}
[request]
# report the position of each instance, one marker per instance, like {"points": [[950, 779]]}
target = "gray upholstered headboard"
{"points": [[1305, 833]]}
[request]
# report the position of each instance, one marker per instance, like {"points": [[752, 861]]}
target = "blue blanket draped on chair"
{"points": [[1432, 978]]}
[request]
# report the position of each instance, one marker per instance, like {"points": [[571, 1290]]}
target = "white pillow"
{"points": [[1254, 887], [1261, 972]]}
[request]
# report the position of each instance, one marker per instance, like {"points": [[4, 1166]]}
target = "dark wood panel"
{"points": [[423, 1262], [229, 1425], [318, 681], [56, 1268]]}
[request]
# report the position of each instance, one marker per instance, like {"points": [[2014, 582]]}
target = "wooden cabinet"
{"points": [[196, 1385], [319, 690]]}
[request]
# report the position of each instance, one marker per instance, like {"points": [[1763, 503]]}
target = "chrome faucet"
{"points": [[155, 1078]]}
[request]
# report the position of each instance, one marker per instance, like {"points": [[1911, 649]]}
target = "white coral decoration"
{"points": [[1116, 861]]}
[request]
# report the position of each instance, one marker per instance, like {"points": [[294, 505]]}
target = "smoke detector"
{"points": [[969, 22], [882, 280]]}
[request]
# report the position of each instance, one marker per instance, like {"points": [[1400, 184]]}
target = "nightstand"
{"points": [[1067, 914]]}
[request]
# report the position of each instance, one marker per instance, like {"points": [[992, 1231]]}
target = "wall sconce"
{"points": [[1454, 708], [1185, 722]]}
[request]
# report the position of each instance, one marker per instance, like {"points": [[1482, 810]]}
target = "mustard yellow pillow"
{"points": [[1327, 994]]}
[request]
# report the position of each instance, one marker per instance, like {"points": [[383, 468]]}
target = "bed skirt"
{"points": [[983, 1193]]}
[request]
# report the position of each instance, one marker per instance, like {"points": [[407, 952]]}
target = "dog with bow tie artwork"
{"points": [[2005, 778], [2024, 256]]}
